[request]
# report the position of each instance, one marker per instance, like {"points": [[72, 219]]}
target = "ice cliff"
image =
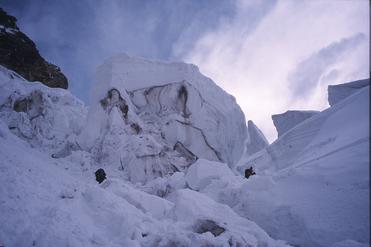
{"points": [[155, 118], [256, 140]]}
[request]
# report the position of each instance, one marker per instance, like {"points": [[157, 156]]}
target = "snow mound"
{"points": [[286, 121], [214, 219], [153, 118], [201, 173], [337, 93]]}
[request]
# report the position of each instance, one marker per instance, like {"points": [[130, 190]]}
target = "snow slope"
{"points": [[316, 178]]}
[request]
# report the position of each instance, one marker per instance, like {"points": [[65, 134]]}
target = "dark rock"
{"points": [[185, 152], [100, 175], [19, 53], [249, 172], [203, 226], [136, 127]]}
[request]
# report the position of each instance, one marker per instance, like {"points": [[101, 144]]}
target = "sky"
{"points": [[273, 56]]}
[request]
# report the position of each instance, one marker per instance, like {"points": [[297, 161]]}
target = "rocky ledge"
{"points": [[19, 53]]}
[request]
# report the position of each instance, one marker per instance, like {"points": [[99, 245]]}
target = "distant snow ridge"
{"points": [[286, 121], [314, 188], [337, 93], [173, 115]]}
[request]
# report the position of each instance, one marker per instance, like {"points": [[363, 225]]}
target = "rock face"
{"points": [[286, 121], [19, 53], [339, 92], [256, 140], [161, 118]]}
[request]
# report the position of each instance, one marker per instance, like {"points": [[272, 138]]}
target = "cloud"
{"points": [[307, 74], [271, 55], [284, 56], [79, 35]]}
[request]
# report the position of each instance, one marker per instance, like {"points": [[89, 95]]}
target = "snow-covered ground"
{"points": [[174, 147]]}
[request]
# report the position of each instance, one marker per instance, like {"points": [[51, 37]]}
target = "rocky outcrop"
{"points": [[19, 53], [286, 121], [339, 92]]}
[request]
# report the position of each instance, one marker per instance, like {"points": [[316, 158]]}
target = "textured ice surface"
{"points": [[46, 117], [155, 118]]}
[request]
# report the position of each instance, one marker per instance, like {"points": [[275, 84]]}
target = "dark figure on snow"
{"points": [[249, 172], [100, 175]]}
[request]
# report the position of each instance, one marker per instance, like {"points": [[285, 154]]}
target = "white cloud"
{"points": [[253, 55]]}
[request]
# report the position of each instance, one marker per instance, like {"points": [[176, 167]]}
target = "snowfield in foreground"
{"points": [[174, 147]]}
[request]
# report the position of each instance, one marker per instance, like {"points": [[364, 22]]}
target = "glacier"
{"points": [[174, 147]]}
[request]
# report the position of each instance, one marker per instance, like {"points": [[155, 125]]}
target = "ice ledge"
{"points": [[339, 92], [286, 121]]}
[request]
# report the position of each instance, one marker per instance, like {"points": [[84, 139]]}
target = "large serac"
{"points": [[153, 118]]}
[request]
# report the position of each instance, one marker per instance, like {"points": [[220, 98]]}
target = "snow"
{"points": [[286, 121], [178, 121], [171, 162], [50, 198], [201, 173], [46, 117], [320, 184], [8, 30], [337, 93], [45, 204]]}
